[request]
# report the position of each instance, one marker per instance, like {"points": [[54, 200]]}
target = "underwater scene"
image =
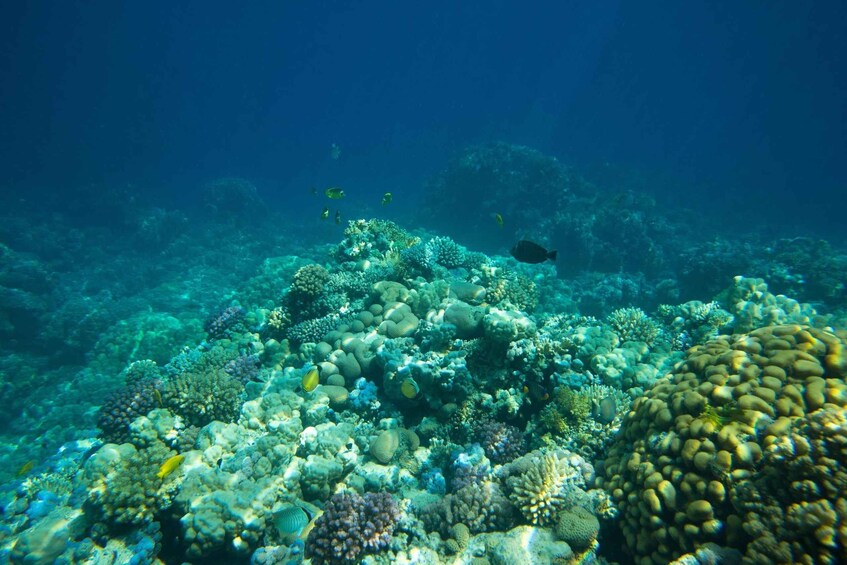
{"points": [[467, 284]]}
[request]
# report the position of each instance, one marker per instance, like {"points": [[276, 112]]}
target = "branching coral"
{"points": [[204, 396], [540, 484], [351, 527], [632, 324]]}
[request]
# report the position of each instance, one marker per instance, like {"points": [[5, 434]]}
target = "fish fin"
{"points": [[552, 255]]}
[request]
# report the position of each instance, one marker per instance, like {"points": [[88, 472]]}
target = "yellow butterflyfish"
{"points": [[311, 379]]}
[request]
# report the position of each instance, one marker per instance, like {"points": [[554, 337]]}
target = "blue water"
{"points": [[163, 162]]}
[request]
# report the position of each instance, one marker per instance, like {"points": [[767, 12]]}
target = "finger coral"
{"points": [[351, 527]]}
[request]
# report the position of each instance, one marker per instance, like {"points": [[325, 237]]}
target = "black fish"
{"points": [[526, 251]]}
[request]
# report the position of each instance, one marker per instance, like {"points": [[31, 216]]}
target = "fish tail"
{"points": [[552, 255]]}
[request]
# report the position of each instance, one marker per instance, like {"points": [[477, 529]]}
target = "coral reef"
{"points": [[705, 455], [124, 405], [351, 527]]}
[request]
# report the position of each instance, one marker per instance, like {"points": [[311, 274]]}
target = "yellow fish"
{"points": [[170, 465], [311, 379], [26, 468], [338, 217], [325, 213], [334, 193], [409, 388], [386, 199], [499, 219]]}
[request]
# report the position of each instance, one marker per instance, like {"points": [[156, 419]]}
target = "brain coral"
{"points": [[730, 449]]}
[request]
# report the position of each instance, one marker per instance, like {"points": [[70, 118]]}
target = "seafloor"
{"points": [[233, 392]]}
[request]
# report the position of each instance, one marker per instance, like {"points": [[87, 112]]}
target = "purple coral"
{"points": [[218, 325], [124, 405], [244, 368], [352, 526], [501, 442]]}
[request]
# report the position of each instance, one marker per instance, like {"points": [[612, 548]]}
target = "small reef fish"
{"points": [[499, 219], [409, 388], [26, 468], [325, 213], [313, 191], [338, 217], [334, 193], [605, 410], [526, 251], [386, 199], [335, 152], [170, 466], [310, 379]]}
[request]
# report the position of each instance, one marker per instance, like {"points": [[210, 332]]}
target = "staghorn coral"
{"points": [[351, 527]]}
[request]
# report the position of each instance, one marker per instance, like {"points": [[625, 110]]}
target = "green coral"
{"points": [[205, 392], [123, 485], [566, 411]]}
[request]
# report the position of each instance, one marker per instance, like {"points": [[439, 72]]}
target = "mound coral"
{"points": [[481, 506], [742, 446], [351, 527], [578, 527]]}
